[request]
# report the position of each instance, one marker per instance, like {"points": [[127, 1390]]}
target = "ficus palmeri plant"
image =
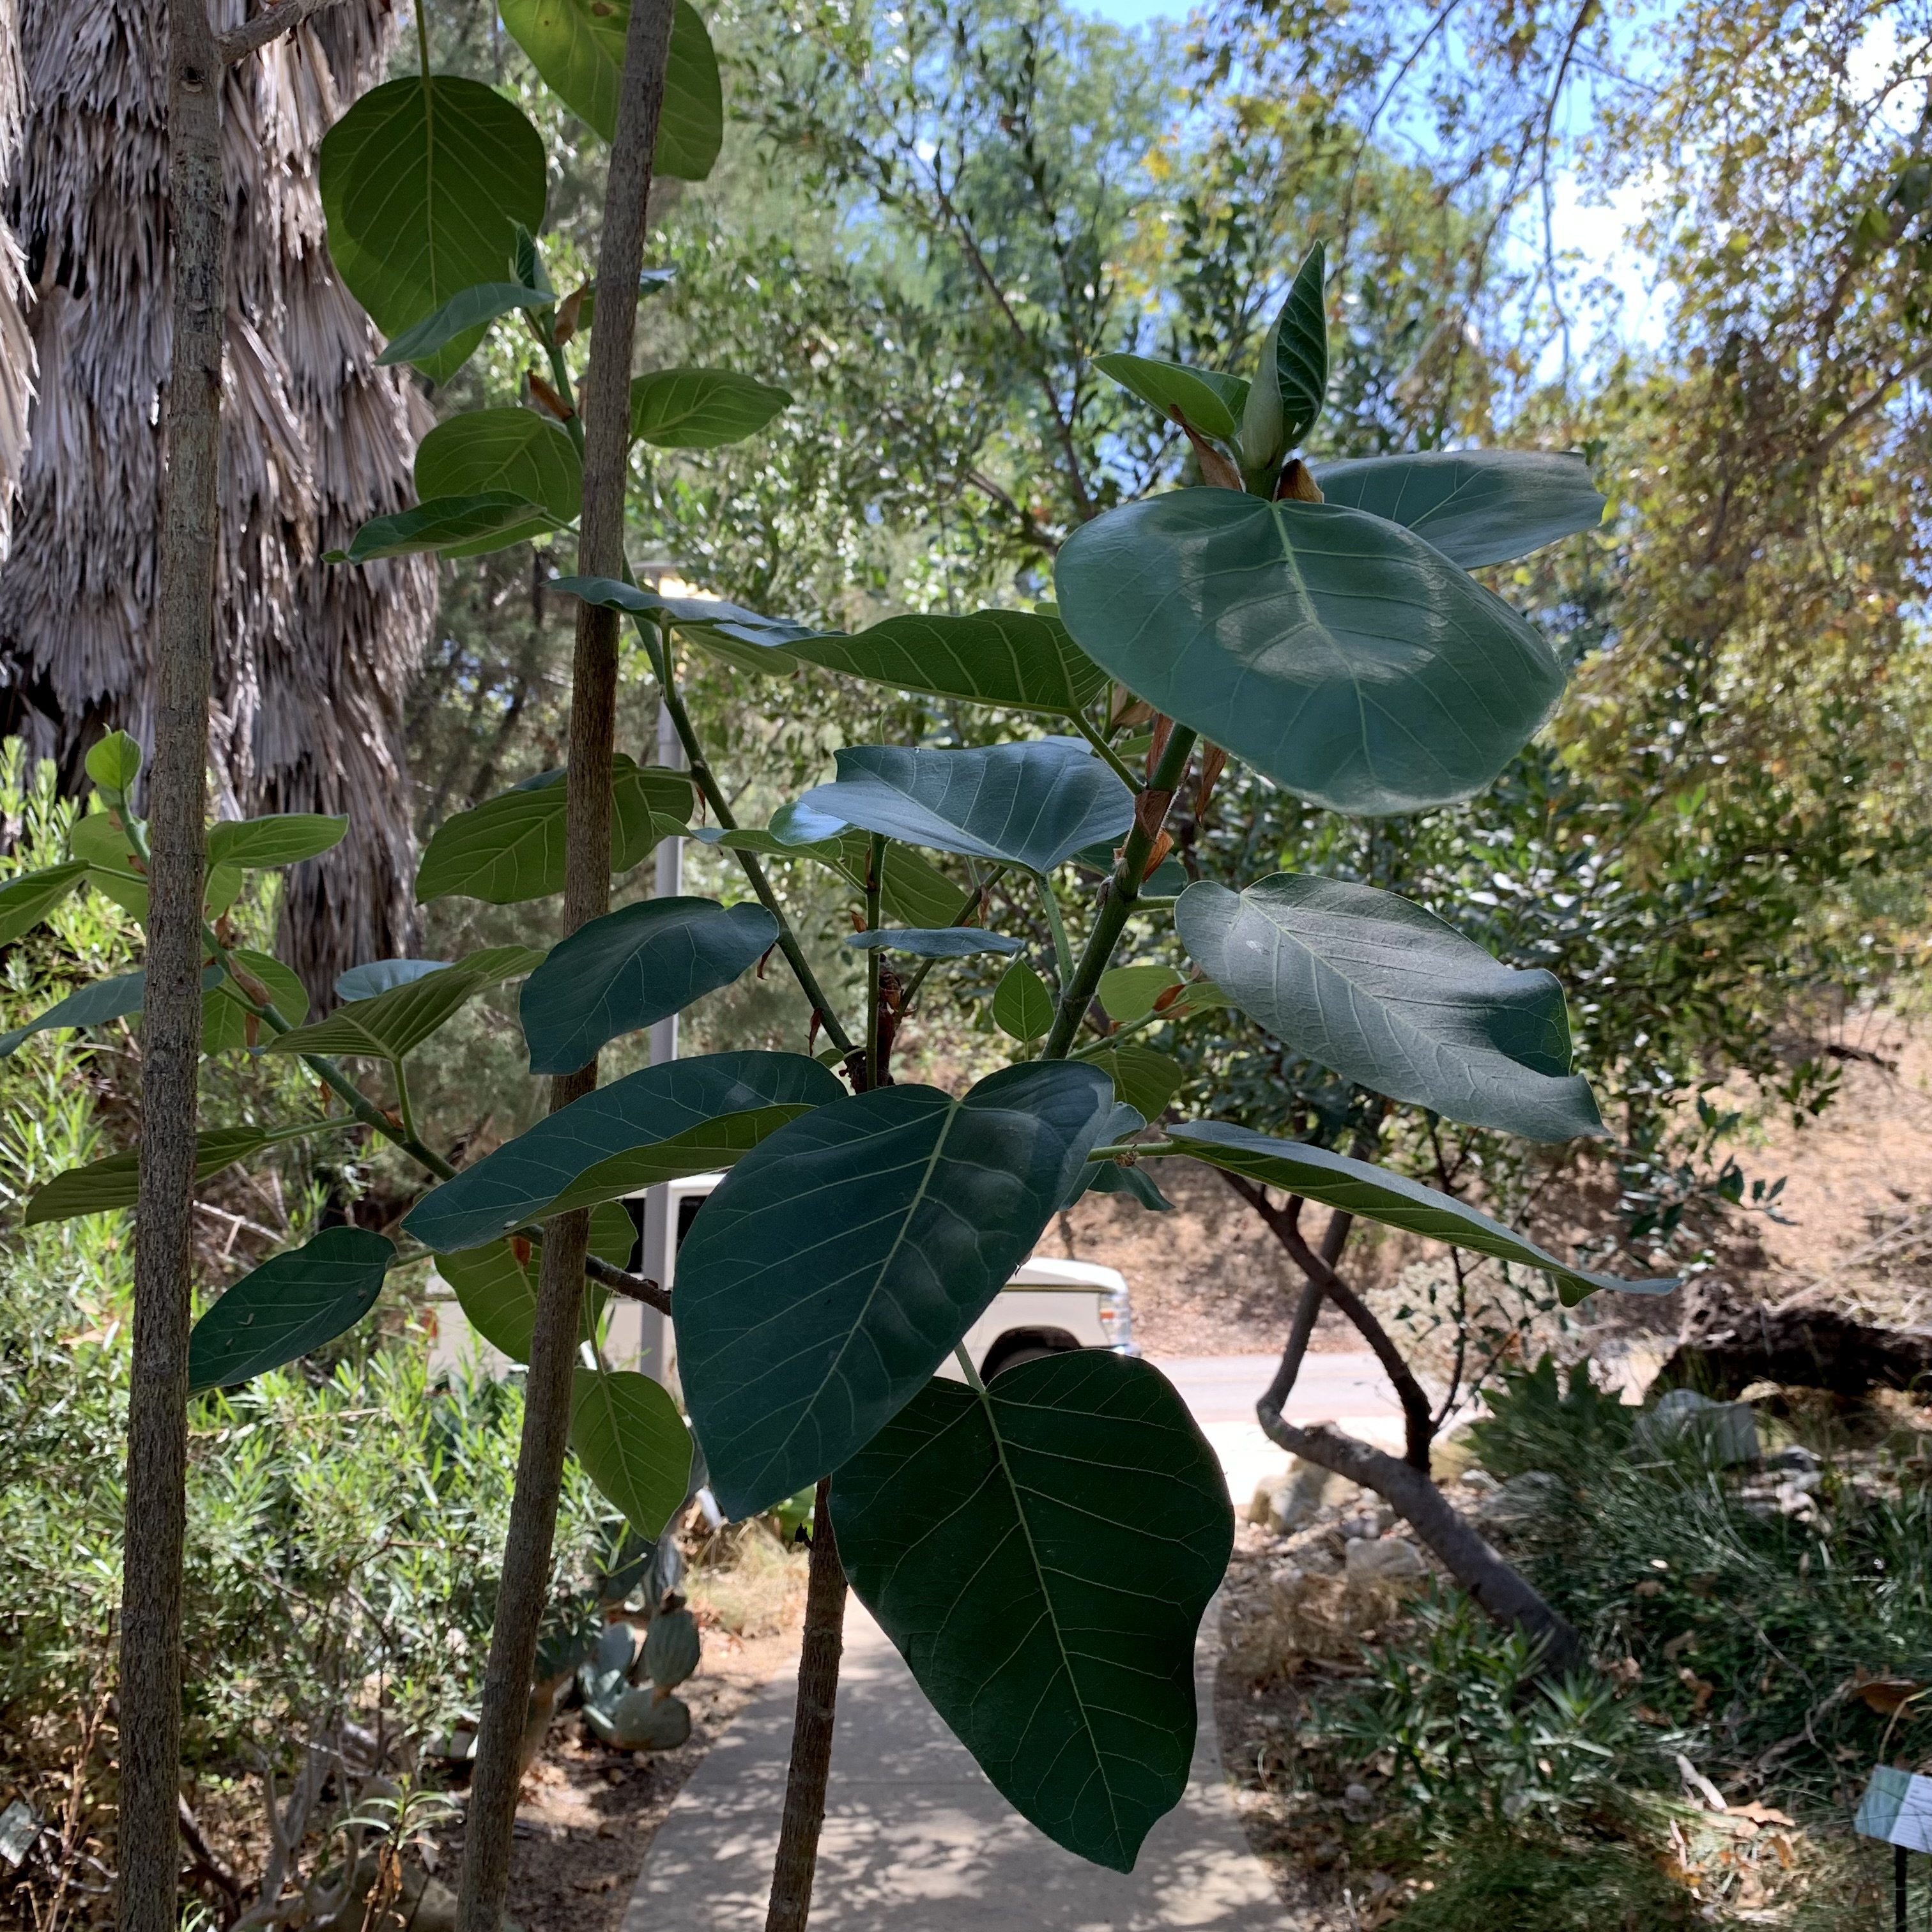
{"points": [[1040, 1549]]}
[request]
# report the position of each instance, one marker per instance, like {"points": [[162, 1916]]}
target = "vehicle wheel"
{"points": [[1006, 1354]]}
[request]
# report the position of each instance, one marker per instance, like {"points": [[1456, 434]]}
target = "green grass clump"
{"points": [[1530, 1882]]}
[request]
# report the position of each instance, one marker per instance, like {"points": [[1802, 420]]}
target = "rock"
{"points": [[1519, 1501], [1358, 1802], [1727, 1432], [1292, 1502], [1385, 1559], [1367, 1524], [1729, 1343], [1795, 1458], [1480, 1481]]}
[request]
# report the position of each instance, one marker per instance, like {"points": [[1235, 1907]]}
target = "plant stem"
{"points": [[150, 1679], [811, 1764], [559, 371], [403, 1106], [524, 1589], [1123, 891], [875, 881], [1062, 951], [1084, 725]]}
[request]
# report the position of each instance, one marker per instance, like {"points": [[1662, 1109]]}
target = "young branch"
{"points": [[525, 1587], [150, 1682], [254, 34]]}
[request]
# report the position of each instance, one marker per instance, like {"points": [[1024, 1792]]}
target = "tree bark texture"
{"points": [[605, 407], [811, 1766], [150, 1684]]}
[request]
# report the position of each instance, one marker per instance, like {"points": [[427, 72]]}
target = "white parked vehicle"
{"points": [[1048, 1307]]}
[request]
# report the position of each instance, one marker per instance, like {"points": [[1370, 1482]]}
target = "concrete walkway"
{"points": [[916, 1840]]}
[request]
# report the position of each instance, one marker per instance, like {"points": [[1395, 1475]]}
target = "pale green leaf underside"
{"points": [[626, 1432], [114, 1180], [1211, 403]]}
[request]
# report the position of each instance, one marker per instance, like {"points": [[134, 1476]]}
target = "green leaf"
{"points": [[26, 901], [1286, 394], [1341, 656], [1376, 989], [114, 1181], [283, 838], [423, 183], [1212, 403], [495, 1291], [115, 764], [225, 1019], [510, 848], [297, 1301], [1145, 1080], [390, 1025], [511, 451], [1041, 1554], [741, 637], [1167, 880], [470, 308], [614, 1235], [1023, 1006], [1122, 1124], [378, 976], [700, 409], [1018, 659], [94, 1004], [1129, 992], [633, 1444], [1032, 804], [463, 526], [842, 1259], [1376, 1194], [577, 45], [658, 1124], [110, 857], [1477, 506], [944, 942], [633, 968]]}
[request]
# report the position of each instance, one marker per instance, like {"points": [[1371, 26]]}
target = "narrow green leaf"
{"points": [[1040, 1554], [1286, 394], [93, 1005], [658, 1124], [468, 309], [945, 942], [1022, 1004], [633, 968], [115, 764], [833, 1270], [744, 637], [510, 848], [577, 45], [700, 409], [508, 451], [423, 183], [1145, 1080], [1032, 804], [1372, 986], [1338, 653], [26, 901], [1376, 1194], [463, 526], [392, 1024], [627, 1432], [283, 838], [1129, 992], [1478, 506], [114, 1180], [1212, 403], [289, 1305], [1020, 660]]}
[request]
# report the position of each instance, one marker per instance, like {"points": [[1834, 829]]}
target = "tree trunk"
{"points": [[605, 411], [811, 1766], [151, 1617]]}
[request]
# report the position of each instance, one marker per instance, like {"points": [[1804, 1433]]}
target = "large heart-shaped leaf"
{"points": [[295, 1302], [1021, 660], [633, 1444], [944, 942], [1041, 1553], [577, 45], [1212, 403], [378, 976], [1376, 1194], [424, 182], [98, 838], [683, 1117], [392, 1024], [514, 451], [633, 968], [510, 848], [1286, 394], [913, 889], [1342, 656], [461, 526], [700, 409], [26, 901], [1372, 987], [842, 1259], [1143, 1079], [469, 309], [1477, 506], [283, 838], [1032, 804], [114, 1181]]}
